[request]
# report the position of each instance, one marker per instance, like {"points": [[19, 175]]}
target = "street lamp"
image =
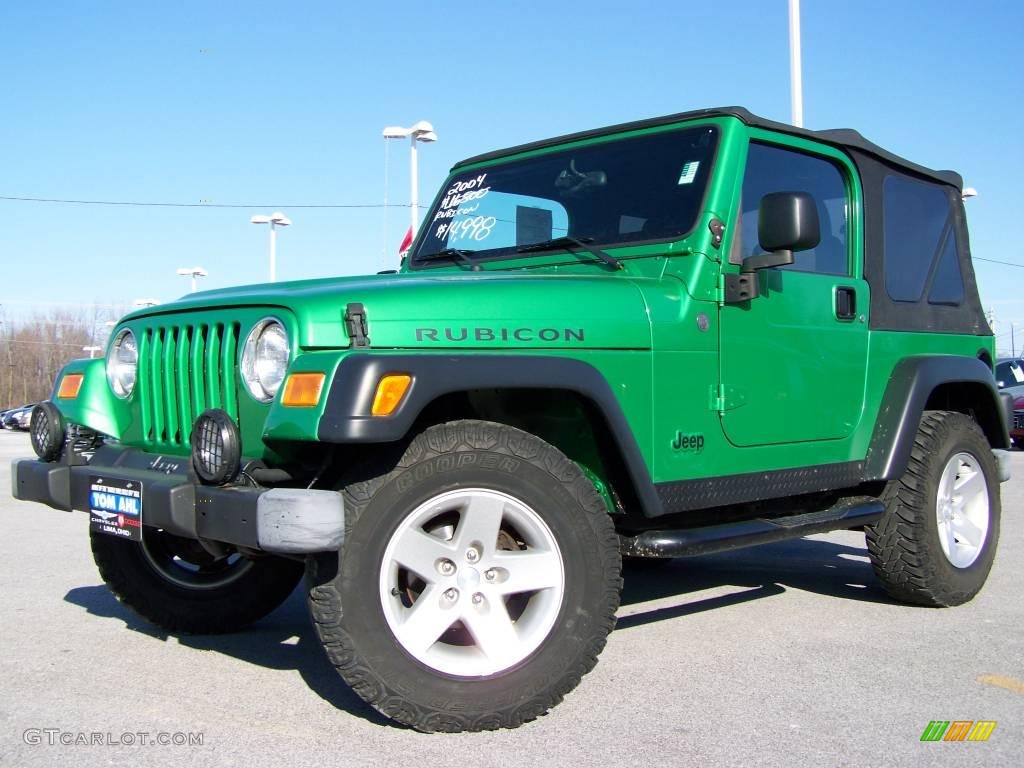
{"points": [[276, 219], [421, 131], [192, 272], [92, 351], [143, 303]]}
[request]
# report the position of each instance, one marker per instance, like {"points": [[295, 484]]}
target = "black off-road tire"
{"points": [[225, 603], [346, 604], [904, 545]]}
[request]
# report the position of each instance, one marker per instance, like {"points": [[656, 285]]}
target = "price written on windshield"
{"points": [[476, 228]]}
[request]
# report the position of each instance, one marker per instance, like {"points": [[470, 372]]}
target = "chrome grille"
{"points": [[183, 370]]}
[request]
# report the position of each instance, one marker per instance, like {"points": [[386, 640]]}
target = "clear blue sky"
{"points": [[120, 101]]}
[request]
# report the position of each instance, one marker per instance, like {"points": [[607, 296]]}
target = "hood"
{"points": [[454, 311]]}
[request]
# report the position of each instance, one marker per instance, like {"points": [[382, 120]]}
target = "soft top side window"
{"points": [[920, 249]]}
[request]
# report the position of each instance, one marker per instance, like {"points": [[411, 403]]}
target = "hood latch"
{"points": [[356, 326]]}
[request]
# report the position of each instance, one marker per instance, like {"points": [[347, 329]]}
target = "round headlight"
{"points": [[123, 363], [265, 359]]}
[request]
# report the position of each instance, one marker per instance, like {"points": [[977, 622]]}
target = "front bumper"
{"points": [[291, 521]]}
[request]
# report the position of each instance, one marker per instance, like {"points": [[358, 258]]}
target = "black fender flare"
{"points": [[911, 383], [347, 414]]}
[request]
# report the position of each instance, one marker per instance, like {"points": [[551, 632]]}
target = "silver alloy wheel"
{"points": [[186, 564], [962, 510], [472, 582]]}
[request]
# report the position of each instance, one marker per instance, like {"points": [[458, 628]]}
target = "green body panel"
{"points": [[707, 388], [96, 405], [570, 297], [497, 311]]}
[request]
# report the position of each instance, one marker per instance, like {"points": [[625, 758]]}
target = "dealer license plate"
{"points": [[115, 507]]}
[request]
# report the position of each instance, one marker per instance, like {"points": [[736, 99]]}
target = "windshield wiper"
{"points": [[459, 254], [568, 242]]}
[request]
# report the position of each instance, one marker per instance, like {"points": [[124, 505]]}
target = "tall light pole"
{"points": [[192, 272], [275, 220], [421, 131], [92, 350], [796, 87]]}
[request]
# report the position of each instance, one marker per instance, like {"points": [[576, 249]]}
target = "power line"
{"points": [[41, 343], [996, 261], [88, 305], [202, 205]]}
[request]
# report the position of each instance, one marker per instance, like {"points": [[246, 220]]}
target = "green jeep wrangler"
{"points": [[654, 340]]}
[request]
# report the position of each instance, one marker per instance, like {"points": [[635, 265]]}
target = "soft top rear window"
{"points": [[617, 192]]}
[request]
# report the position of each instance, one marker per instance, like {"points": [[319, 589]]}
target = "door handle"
{"points": [[846, 302]]}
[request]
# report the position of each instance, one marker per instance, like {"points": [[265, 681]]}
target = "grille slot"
{"points": [[183, 370]]}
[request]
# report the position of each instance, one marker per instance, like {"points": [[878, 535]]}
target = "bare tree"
{"points": [[35, 348]]}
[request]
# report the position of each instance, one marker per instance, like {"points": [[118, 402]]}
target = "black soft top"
{"points": [[843, 138]]}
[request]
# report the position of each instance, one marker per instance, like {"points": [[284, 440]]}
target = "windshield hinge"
{"points": [[717, 227], [356, 326]]}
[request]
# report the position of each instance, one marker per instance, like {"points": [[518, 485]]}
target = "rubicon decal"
{"points": [[464, 335], [958, 730]]}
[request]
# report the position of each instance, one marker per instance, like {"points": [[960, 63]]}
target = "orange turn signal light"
{"points": [[390, 391], [302, 390], [69, 386]]}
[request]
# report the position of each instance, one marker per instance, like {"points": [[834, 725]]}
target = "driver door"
{"points": [[793, 360]]}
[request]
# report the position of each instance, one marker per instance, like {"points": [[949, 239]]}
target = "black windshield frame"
{"points": [[701, 143]]}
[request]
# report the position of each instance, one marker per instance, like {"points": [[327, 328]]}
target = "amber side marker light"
{"points": [[390, 391], [303, 390], [69, 386]]}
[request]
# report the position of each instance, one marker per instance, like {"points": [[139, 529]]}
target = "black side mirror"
{"points": [[786, 222]]}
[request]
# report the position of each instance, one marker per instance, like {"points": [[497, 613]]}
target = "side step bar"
{"points": [[690, 542]]}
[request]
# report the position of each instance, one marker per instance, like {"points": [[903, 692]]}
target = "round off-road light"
{"points": [[216, 448], [46, 430]]}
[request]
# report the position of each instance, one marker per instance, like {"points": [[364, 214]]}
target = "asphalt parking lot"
{"points": [[786, 655]]}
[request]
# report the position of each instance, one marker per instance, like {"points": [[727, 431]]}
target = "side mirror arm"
{"points": [[745, 285], [767, 260]]}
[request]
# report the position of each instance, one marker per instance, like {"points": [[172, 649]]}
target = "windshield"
{"points": [[619, 192]]}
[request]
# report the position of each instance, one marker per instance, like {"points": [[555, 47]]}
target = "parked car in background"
{"points": [[9, 420], [18, 418], [1010, 375], [1017, 426]]}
